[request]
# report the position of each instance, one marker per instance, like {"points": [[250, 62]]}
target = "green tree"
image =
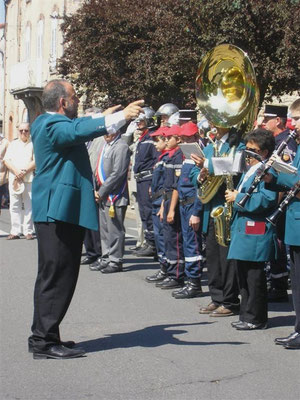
{"points": [[123, 50]]}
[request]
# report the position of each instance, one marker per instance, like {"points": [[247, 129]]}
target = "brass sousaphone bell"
{"points": [[228, 96], [226, 88]]}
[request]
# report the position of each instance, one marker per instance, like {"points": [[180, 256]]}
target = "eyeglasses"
{"points": [[23, 130], [253, 150]]}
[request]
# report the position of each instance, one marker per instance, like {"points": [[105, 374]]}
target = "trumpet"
{"points": [[273, 218], [267, 166]]}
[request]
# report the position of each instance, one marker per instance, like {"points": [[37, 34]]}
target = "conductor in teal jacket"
{"points": [[63, 206]]}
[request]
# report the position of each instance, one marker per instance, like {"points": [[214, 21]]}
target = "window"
{"points": [[53, 52], [27, 41]]}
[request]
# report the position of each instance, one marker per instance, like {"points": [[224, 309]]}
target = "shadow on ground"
{"points": [[151, 336]]}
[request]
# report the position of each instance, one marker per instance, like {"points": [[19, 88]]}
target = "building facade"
{"points": [[33, 44]]}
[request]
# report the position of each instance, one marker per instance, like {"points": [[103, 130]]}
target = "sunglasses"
{"points": [[24, 130]]}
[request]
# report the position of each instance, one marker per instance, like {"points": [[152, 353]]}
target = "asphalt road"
{"points": [[141, 343]]}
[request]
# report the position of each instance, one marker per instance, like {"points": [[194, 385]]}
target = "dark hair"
{"points": [[263, 138], [53, 91]]}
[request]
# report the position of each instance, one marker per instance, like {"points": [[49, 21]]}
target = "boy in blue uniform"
{"points": [[157, 191], [253, 240], [191, 215], [169, 212]]}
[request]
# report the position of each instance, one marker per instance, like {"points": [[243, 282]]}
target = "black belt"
{"points": [[158, 194], [189, 200], [168, 195], [143, 174]]}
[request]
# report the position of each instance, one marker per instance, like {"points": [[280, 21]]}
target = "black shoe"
{"points": [[189, 291], [285, 340], [277, 296], [135, 248], [149, 251], [171, 283], [294, 343], [112, 268], [234, 324], [99, 265], [158, 277], [58, 352], [247, 326], [69, 344], [88, 260]]}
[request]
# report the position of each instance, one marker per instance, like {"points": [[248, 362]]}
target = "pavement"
{"points": [[141, 343]]}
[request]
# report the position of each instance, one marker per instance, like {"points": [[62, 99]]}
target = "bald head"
{"points": [[59, 96]]}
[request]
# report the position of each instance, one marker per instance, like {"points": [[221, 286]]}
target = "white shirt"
{"points": [[20, 154]]}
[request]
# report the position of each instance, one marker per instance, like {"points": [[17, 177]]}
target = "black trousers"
{"points": [[59, 253], [253, 288], [92, 243], [295, 279], [145, 208], [222, 275]]}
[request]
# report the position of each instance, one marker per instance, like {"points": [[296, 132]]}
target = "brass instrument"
{"points": [[227, 95], [222, 217]]}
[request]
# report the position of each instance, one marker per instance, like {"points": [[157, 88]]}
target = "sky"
{"points": [[2, 8]]}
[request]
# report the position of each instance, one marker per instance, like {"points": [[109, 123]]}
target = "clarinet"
{"points": [[273, 218], [260, 175]]}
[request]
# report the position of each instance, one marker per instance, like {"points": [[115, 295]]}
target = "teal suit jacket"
{"points": [[219, 198], [252, 237], [283, 182], [62, 188]]}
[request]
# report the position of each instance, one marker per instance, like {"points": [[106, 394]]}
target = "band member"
{"points": [[222, 278], [253, 240], [292, 229], [274, 119]]}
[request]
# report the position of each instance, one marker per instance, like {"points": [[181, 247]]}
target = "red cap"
{"points": [[160, 131], [175, 130], [189, 129]]}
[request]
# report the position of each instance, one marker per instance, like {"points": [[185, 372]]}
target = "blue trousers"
{"points": [[159, 238], [192, 243], [145, 208], [173, 243]]}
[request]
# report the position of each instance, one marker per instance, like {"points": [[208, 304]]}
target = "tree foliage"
{"points": [[123, 50]]}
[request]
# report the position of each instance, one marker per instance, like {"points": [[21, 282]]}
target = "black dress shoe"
{"points": [[158, 277], [247, 326], [189, 291], [285, 340], [135, 248], [88, 260], [171, 283], [294, 343], [58, 352], [277, 296], [112, 268], [99, 265], [70, 344], [235, 323], [148, 251]]}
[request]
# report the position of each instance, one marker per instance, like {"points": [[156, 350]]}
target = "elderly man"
{"points": [[19, 160], [63, 206], [112, 196]]}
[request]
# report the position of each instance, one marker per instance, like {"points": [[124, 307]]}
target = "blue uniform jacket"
{"points": [[283, 182], [252, 238], [186, 188], [145, 155], [158, 180], [62, 188], [219, 198], [172, 170]]}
